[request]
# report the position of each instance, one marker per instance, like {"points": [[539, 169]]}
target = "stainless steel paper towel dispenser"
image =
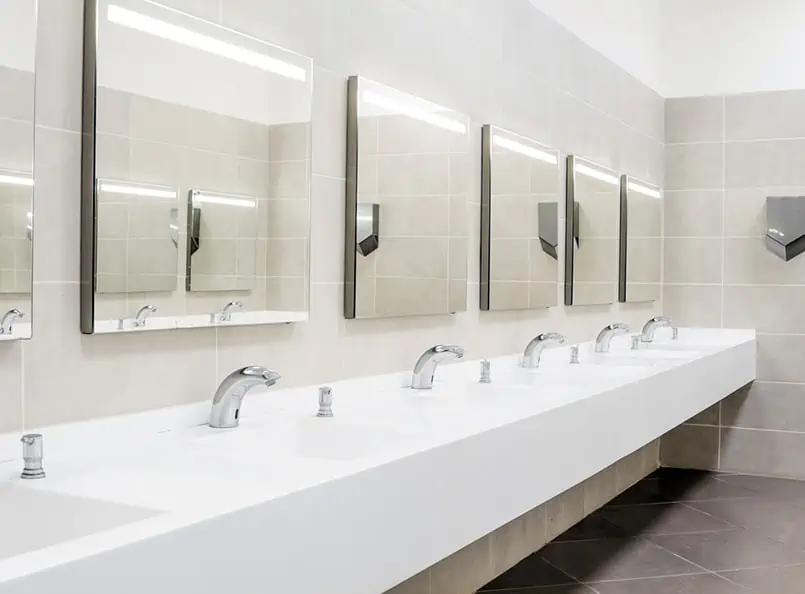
{"points": [[785, 226]]}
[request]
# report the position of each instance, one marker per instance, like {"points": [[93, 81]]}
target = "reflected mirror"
{"points": [[592, 242], [406, 207], [640, 241], [196, 173], [519, 222], [17, 58]]}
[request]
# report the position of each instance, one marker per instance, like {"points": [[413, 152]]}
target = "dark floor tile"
{"points": [[566, 589], [615, 559], [707, 583], [771, 580], [687, 474], [684, 488], [728, 550], [531, 571], [664, 518], [769, 487], [592, 527], [777, 520]]}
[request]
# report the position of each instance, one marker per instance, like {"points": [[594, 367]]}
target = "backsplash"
{"points": [[514, 68], [725, 155]]}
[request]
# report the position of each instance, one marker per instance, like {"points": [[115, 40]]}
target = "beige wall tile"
{"points": [[159, 121], [594, 293], [288, 180], [285, 218], [596, 260], [11, 403], [509, 260], [644, 260], [289, 142], [693, 166], [690, 446], [518, 539], [753, 116], [407, 296], [599, 215], [747, 261], [399, 134], [286, 294], [464, 571], [692, 261], [764, 163], [564, 511], [330, 129], [458, 290], [17, 149], [414, 257], [458, 258], [779, 356], [767, 309], [113, 111], [694, 213], [17, 101], [511, 216], [543, 294], [504, 295], [287, 257], [763, 452], [709, 416], [511, 174], [600, 489], [413, 174], [745, 213], [416, 216], [764, 405], [694, 119], [543, 267]]}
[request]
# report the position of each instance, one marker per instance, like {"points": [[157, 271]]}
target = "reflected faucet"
{"points": [[225, 314], [647, 335], [142, 315], [229, 395], [605, 336], [11, 316], [533, 352], [425, 367]]}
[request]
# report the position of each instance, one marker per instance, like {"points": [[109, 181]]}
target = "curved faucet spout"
{"points": [[426, 365], [647, 335], [533, 352], [142, 315], [604, 339], [229, 396], [11, 316]]}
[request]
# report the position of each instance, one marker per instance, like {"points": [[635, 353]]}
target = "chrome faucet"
{"points": [[605, 336], [425, 367], [142, 315], [533, 352], [647, 335], [11, 316], [229, 396], [225, 315]]}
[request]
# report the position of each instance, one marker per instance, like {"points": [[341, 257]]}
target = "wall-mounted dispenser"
{"points": [[785, 226]]}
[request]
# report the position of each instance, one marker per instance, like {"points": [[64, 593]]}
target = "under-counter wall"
{"points": [[515, 68], [725, 155]]}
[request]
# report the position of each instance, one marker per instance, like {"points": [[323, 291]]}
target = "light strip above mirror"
{"points": [[146, 24], [641, 189], [15, 180], [135, 191], [412, 111], [523, 149], [596, 174], [226, 200]]}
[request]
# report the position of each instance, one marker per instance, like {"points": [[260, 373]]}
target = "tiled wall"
{"points": [[478, 563], [514, 67], [725, 155], [417, 174]]}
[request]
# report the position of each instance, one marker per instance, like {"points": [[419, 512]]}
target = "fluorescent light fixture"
{"points": [[523, 149], [136, 191], [229, 201], [16, 180], [412, 111], [146, 24], [641, 189], [596, 174]]}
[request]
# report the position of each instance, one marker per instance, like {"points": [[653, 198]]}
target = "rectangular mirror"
{"points": [[519, 222], [592, 242], [196, 173], [640, 241], [406, 207], [17, 64]]}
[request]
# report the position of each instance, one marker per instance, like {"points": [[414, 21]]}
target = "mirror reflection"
{"points": [[407, 227], [197, 211], [641, 241], [17, 58], [591, 235], [519, 222]]}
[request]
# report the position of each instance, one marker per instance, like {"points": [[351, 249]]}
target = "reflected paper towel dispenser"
{"points": [[368, 228], [785, 226], [548, 223]]}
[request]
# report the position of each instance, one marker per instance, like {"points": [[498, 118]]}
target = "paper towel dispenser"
{"points": [[785, 226]]}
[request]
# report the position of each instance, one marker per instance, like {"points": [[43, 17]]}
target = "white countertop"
{"points": [[396, 481]]}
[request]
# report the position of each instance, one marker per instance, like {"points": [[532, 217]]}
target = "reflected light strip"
{"points": [[641, 189], [523, 149], [16, 180], [140, 22], [428, 117], [136, 191], [224, 200], [596, 174]]}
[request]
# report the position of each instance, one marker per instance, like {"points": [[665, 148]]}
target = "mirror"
{"points": [[17, 64], [592, 242], [406, 208], [640, 241], [196, 174], [519, 222]]}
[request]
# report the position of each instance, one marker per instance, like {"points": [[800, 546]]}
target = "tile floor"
{"points": [[677, 532]]}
